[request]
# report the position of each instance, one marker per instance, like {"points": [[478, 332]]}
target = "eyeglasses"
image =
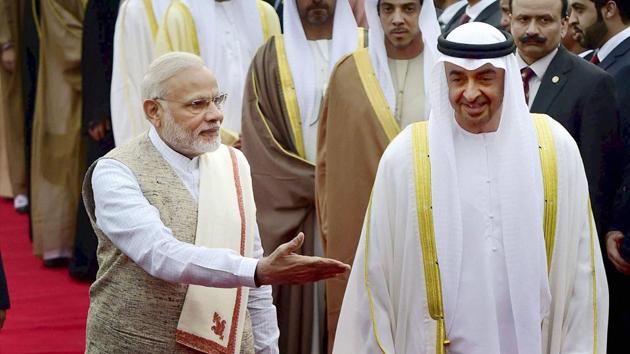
{"points": [[201, 105]]}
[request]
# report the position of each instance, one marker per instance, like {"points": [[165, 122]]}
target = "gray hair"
{"points": [[165, 67]]}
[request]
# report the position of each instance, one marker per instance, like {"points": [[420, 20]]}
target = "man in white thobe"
{"points": [[226, 34], [468, 215], [134, 38]]}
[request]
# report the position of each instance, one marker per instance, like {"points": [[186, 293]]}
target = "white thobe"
{"points": [[232, 79], [483, 307], [133, 52], [385, 304], [409, 87], [320, 52], [134, 226]]}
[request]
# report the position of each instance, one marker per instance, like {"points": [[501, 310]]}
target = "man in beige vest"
{"points": [[175, 216]]}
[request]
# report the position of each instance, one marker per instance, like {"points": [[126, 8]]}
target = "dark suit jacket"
{"points": [[581, 97], [4, 291], [617, 63], [490, 15]]}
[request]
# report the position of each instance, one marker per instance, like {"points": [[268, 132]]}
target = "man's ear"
{"points": [[564, 27], [152, 111]]}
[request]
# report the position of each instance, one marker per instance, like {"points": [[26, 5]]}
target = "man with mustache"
{"points": [[487, 11], [372, 95], [575, 93], [226, 34], [478, 238], [181, 263], [604, 25], [286, 84]]}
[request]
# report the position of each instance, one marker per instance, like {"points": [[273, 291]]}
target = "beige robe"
{"points": [[12, 169], [283, 183], [57, 155], [356, 125]]}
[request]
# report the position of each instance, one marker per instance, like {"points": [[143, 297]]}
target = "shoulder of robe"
{"points": [[399, 147], [266, 7], [347, 62], [177, 11], [561, 137]]}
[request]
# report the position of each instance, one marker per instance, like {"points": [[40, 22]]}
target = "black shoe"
{"points": [[56, 262]]}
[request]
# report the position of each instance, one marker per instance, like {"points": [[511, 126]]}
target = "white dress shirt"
{"points": [[540, 68], [612, 43], [585, 53], [474, 11], [134, 226]]}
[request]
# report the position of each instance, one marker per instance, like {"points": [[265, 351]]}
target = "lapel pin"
{"points": [[555, 79]]}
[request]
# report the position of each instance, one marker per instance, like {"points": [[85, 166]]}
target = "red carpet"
{"points": [[48, 308]]}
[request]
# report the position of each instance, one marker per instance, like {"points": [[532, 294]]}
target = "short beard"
{"points": [[181, 139], [594, 35]]}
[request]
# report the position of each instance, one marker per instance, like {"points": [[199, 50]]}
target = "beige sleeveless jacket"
{"points": [[130, 310]]}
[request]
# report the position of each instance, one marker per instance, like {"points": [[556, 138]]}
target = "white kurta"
{"points": [[133, 52], [385, 305], [232, 80], [407, 78], [320, 52]]}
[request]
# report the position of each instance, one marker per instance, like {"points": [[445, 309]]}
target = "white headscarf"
{"points": [[430, 29], [211, 43], [520, 189], [344, 41]]}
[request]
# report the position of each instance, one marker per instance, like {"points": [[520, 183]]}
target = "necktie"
{"points": [[464, 19], [595, 59], [526, 74]]}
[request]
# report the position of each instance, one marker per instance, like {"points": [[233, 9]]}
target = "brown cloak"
{"points": [[356, 125]]}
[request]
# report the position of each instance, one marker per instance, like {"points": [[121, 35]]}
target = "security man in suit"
{"points": [[488, 11], [604, 25], [574, 92]]}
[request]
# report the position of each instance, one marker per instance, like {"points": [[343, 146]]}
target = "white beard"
{"points": [[179, 138]]}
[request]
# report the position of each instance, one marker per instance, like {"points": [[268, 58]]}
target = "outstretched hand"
{"points": [[284, 266]]}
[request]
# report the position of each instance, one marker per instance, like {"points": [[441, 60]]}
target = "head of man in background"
{"points": [[596, 21], [538, 26], [317, 17], [505, 14], [571, 39], [399, 19]]}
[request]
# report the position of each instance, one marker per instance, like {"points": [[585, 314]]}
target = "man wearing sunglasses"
{"points": [[180, 257]]}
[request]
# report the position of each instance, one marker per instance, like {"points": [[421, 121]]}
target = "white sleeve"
{"points": [[263, 312], [135, 228], [585, 319]]}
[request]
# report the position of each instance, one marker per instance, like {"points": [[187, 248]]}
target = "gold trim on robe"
{"points": [[290, 98], [375, 93], [148, 6], [547, 151]]}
